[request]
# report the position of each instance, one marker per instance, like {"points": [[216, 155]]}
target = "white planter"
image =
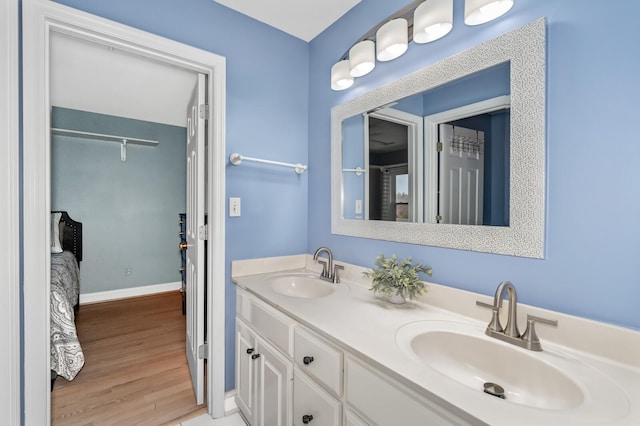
{"points": [[398, 299]]}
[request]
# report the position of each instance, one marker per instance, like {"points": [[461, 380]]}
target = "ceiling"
{"points": [[97, 78], [304, 19]]}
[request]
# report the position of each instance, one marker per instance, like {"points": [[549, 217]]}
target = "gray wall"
{"points": [[129, 210]]}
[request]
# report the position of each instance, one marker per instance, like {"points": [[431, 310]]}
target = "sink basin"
{"points": [[545, 380], [299, 285]]}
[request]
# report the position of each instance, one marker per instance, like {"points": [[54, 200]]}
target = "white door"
{"points": [[461, 175], [196, 234]]}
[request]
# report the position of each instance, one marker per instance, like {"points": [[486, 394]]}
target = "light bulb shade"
{"points": [[432, 20], [392, 39], [362, 58], [478, 12], [340, 77]]}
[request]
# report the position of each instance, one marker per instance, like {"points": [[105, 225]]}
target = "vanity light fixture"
{"points": [[362, 58], [341, 78], [422, 21], [392, 39], [478, 12], [432, 20]]}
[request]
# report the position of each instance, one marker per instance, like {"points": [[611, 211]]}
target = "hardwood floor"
{"points": [[135, 370]]}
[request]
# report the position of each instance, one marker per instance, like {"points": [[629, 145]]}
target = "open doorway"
{"points": [[118, 166], [41, 21], [393, 147]]}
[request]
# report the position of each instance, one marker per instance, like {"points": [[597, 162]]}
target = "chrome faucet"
{"points": [[329, 270], [511, 328], [510, 333]]}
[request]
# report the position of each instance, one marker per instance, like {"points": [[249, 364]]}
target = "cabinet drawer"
{"points": [[270, 324], [373, 394], [318, 358], [313, 405]]}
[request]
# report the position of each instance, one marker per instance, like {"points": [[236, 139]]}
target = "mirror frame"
{"points": [[525, 49]]}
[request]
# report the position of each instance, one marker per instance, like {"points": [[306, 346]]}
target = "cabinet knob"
{"points": [[250, 351], [255, 356], [306, 419], [307, 360]]}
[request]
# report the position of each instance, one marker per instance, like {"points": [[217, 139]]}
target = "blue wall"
{"points": [[593, 197], [267, 116], [129, 209]]}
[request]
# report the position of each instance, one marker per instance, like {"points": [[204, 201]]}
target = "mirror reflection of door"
{"points": [[389, 170], [473, 170], [460, 193]]}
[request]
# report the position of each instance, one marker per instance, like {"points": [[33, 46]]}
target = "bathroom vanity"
{"points": [[318, 353]]}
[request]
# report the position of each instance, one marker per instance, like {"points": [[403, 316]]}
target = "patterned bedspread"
{"points": [[66, 354]]}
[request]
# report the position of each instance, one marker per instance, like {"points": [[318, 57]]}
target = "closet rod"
{"points": [[122, 140], [236, 159], [103, 137]]}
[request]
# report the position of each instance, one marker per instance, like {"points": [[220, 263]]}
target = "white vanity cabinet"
{"points": [[289, 375], [264, 380], [264, 369], [382, 400]]}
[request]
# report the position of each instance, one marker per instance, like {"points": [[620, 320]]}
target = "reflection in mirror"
{"points": [[484, 190], [473, 170], [465, 181], [388, 194]]}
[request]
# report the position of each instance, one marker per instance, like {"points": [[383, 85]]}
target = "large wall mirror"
{"points": [[450, 156]]}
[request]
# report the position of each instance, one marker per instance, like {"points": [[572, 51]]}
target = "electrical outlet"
{"points": [[358, 206], [127, 271], [234, 206]]}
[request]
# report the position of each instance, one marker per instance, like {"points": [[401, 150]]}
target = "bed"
{"points": [[67, 357]]}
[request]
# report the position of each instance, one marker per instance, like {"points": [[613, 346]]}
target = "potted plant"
{"points": [[397, 279]]}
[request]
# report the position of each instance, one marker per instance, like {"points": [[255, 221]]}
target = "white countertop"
{"points": [[366, 325]]}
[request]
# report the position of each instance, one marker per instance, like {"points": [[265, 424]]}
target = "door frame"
{"points": [[415, 149], [40, 18], [10, 213]]}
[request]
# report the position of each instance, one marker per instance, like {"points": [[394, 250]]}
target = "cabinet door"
{"points": [[312, 405], [246, 369], [274, 387], [352, 419]]}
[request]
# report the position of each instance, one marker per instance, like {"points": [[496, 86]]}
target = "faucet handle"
{"points": [[324, 273], [530, 337], [484, 304], [336, 277], [494, 324]]}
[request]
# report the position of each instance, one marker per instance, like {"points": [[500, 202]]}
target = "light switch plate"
{"points": [[234, 206]]}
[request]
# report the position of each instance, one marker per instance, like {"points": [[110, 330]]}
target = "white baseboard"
{"points": [[103, 296]]}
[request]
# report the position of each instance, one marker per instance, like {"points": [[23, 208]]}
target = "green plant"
{"points": [[397, 277]]}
